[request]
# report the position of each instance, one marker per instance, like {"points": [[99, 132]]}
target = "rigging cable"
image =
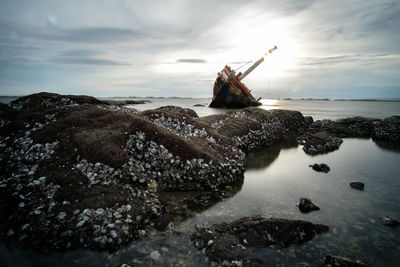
{"points": [[244, 65]]}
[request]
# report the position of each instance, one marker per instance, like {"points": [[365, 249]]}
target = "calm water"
{"points": [[275, 180], [317, 109]]}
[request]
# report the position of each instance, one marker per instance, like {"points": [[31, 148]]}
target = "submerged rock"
{"points": [[305, 205], [390, 222], [229, 241], [357, 185], [162, 222], [320, 167], [342, 262]]}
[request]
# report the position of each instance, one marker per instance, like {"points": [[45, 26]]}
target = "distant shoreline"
{"points": [[286, 99]]}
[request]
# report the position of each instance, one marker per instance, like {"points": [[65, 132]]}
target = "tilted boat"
{"points": [[230, 92]]}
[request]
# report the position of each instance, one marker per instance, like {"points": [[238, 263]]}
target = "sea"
{"points": [[275, 179]]}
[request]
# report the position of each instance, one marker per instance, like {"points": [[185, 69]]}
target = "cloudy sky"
{"points": [[333, 49]]}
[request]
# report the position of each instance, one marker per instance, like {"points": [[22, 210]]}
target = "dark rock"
{"points": [[342, 262], [76, 172], [305, 205], [320, 167], [357, 185], [320, 143], [220, 240], [226, 247], [346, 127], [324, 136], [162, 222], [388, 130], [46, 101], [177, 109], [390, 222], [127, 102], [198, 105], [254, 128], [309, 120]]}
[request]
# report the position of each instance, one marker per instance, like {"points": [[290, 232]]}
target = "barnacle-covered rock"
{"points": [[79, 172], [388, 130], [255, 128], [229, 241]]}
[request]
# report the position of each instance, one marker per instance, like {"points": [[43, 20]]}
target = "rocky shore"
{"points": [[324, 136], [80, 172], [229, 242], [77, 172]]}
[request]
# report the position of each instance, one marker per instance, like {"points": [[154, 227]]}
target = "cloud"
{"points": [[17, 60], [81, 53], [85, 57], [87, 61], [19, 46], [43, 43], [92, 35], [358, 59], [191, 60]]}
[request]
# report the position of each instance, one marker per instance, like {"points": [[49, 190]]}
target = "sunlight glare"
{"points": [[258, 36]]}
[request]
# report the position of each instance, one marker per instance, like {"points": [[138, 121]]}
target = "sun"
{"points": [[258, 36]]}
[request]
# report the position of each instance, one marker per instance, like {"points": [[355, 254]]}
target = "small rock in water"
{"points": [[306, 205], [390, 222], [357, 185], [155, 255], [320, 167], [10, 232]]}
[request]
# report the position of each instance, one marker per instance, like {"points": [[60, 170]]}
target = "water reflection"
{"points": [[263, 158], [387, 146], [182, 205]]}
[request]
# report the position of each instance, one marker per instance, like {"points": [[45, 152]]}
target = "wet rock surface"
{"points": [[254, 128], [181, 110], [342, 262], [324, 136], [77, 172], [346, 127], [388, 130], [127, 102], [320, 143], [80, 172], [306, 205], [357, 185], [320, 167], [387, 221], [230, 241]]}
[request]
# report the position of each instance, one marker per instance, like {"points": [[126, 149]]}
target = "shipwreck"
{"points": [[230, 92]]}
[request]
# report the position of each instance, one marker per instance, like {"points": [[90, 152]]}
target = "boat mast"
{"points": [[255, 65]]}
